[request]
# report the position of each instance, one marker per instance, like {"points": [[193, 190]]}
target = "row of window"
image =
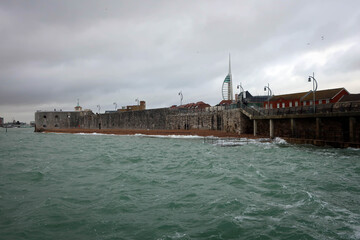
{"points": [[296, 104]]}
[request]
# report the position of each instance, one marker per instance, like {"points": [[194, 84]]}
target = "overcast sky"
{"points": [[54, 52]]}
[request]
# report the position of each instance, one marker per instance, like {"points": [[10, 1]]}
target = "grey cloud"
{"points": [[105, 51]]}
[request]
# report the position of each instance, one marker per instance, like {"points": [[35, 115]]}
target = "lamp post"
{"points": [[315, 85], [115, 105], [269, 94], [241, 91], [138, 102]]}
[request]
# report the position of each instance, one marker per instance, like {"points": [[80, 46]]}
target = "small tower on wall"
{"points": [[78, 108]]}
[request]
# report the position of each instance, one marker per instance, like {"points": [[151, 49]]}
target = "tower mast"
{"points": [[230, 89]]}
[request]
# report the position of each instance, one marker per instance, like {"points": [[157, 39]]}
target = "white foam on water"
{"points": [[288, 206], [356, 230], [353, 149], [245, 218], [278, 140], [167, 136], [238, 141], [94, 134]]}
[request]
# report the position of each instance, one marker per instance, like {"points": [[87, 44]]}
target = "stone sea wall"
{"points": [[230, 120]]}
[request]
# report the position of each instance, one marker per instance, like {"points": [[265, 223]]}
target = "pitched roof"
{"points": [[291, 96], [225, 102], [307, 96], [323, 94], [350, 98]]}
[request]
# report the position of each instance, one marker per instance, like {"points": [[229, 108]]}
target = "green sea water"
{"points": [[93, 186]]}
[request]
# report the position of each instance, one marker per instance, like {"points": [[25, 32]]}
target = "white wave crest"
{"points": [[278, 140], [167, 136], [94, 134]]}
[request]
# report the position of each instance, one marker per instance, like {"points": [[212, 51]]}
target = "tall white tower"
{"points": [[227, 87]]}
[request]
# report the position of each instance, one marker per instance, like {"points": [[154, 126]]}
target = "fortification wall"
{"points": [[53, 120], [231, 120]]}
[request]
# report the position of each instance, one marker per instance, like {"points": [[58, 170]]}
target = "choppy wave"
{"points": [[64, 186]]}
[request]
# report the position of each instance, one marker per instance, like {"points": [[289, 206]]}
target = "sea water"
{"points": [[93, 186]]}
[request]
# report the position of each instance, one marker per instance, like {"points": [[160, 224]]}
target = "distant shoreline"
{"points": [[195, 132]]}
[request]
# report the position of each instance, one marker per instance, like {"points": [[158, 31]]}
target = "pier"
{"points": [[331, 124]]}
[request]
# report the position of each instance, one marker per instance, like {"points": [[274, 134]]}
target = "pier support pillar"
{"points": [[293, 127], [271, 128], [352, 123], [255, 127], [318, 128]]}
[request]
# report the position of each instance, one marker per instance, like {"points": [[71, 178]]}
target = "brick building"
{"points": [[141, 106], [306, 98]]}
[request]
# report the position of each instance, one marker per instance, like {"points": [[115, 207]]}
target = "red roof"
{"points": [[225, 102], [197, 105]]}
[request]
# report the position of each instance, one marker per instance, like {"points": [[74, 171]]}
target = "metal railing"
{"points": [[254, 111], [323, 108]]}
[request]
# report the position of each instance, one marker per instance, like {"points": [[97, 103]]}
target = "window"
{"points": [[56, 125], [304, 103], [283, 105], [44, 116], [44, 125], [311, 102], [56, 116], [296, 103], [266, 106], [320, 101], [327, 101], [290, 104], [271, 105]]}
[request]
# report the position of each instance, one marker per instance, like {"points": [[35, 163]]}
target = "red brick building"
{"points": [[306, 98]]}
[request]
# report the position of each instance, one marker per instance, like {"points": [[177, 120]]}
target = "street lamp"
{"points": [[269, 94], [315, 85], [241, 91], [115, 105]]}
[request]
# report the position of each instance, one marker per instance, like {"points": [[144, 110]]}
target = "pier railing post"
{"points": [[352, 122], [271, 128], [255, 127], [318, 127], [293, 127]]}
